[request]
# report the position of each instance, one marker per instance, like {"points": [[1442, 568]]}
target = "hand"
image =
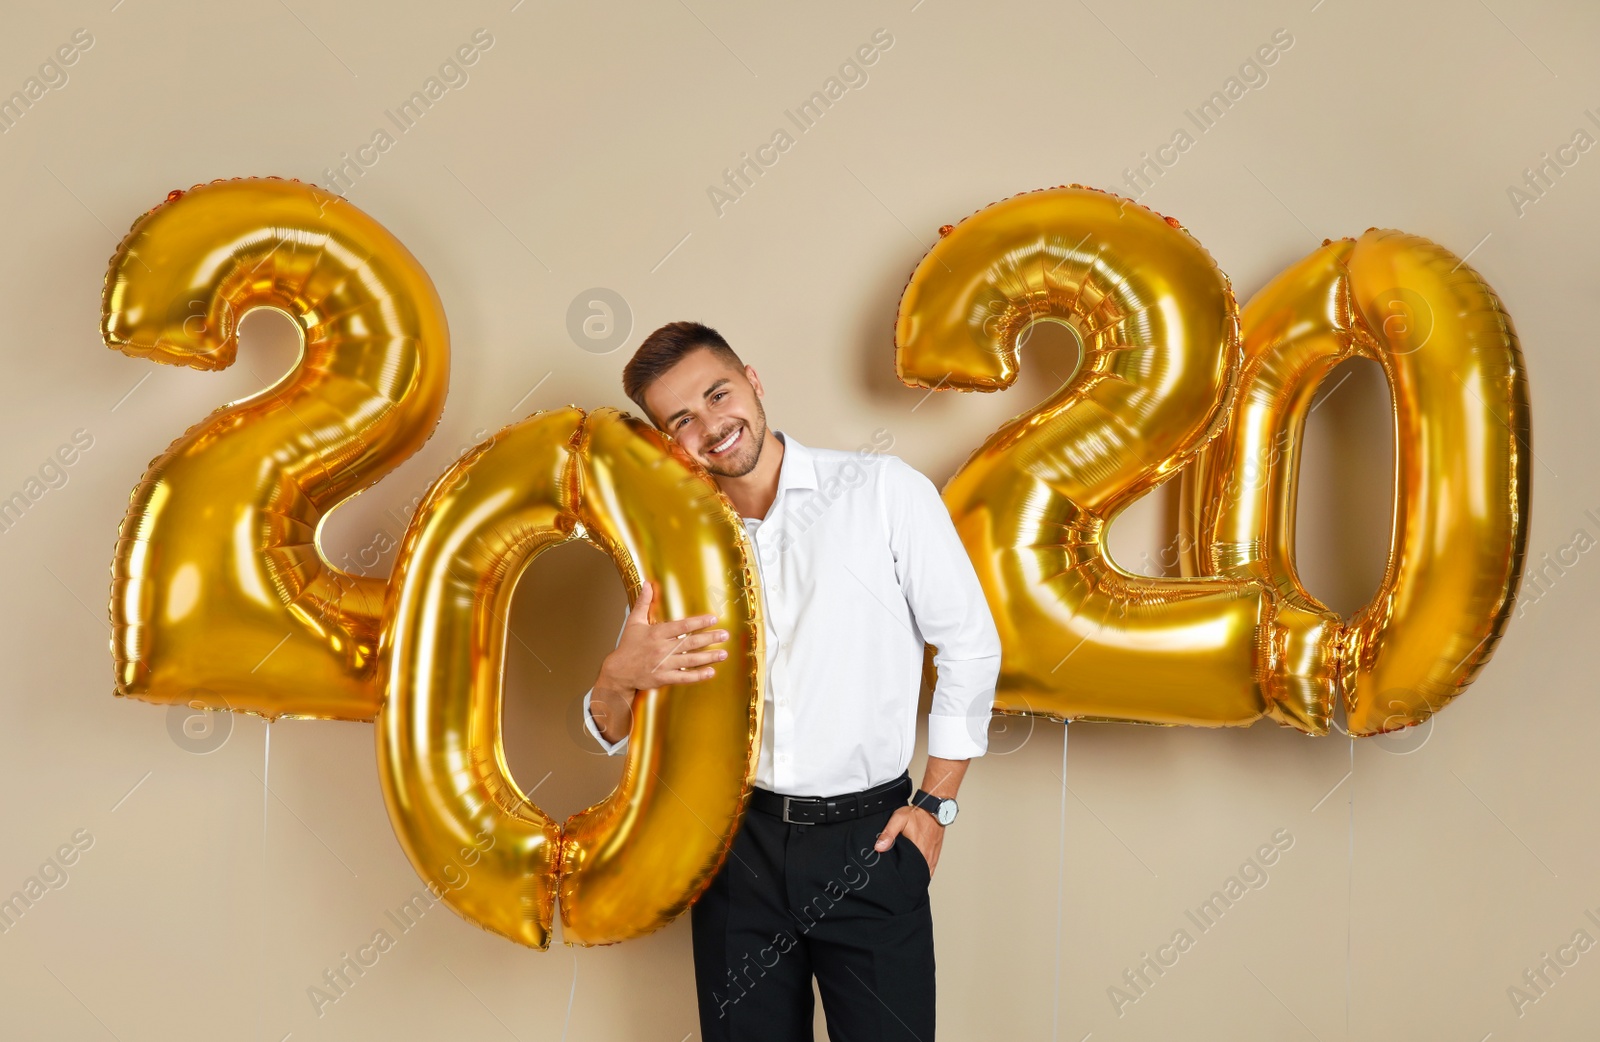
{"points": [[920, 828], [650, 655]]}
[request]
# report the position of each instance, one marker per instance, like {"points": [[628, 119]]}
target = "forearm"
{"points": [[611, 707], [942, 777]]}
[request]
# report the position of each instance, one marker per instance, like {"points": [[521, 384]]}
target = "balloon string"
{"points": [[266, 766], [571, 995], [1061, 869], [1350, 885]]}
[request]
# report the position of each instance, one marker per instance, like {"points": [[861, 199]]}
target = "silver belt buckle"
{"points": [[786, 819]]}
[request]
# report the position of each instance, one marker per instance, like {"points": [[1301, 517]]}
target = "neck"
{"points": [[753, 493]]}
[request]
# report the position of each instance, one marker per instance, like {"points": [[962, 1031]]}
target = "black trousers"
{"points": [[793, 901]]}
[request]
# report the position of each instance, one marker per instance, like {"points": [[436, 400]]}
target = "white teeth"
{"points": [[725, 444]]}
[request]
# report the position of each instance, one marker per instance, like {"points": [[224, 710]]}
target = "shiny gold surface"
{"points": [[1460, 402], [1463, 455], [1463, 479], [220, 596], [1238, 498], [632, 862], [1239, 636], [1158, 325]]}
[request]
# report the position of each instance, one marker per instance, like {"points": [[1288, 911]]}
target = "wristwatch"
{"points": [[943, 811]]}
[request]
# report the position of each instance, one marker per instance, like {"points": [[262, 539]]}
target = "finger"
{"points": [[886, 837], [673, 677], [640, 613], [669, 647], [704, 638], [695, 660], [679, 627]]}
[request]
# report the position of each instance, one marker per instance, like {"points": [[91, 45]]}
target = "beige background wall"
{"points": [[1427, 872]]}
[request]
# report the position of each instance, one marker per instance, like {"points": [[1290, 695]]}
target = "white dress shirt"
{"points": [[861, 566]]}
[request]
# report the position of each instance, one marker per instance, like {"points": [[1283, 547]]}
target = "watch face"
{"points": [[947, 811]]}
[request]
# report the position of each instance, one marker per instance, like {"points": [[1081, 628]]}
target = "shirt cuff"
{"points": [[957, 737], [611, 748]]}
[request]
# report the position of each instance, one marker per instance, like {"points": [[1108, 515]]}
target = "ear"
{"points": [[755, 381]]}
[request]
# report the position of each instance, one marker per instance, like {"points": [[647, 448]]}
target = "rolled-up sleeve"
{"points": [[950, 609]]}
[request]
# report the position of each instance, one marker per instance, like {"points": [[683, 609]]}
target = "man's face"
{"points": [[712, 408]]}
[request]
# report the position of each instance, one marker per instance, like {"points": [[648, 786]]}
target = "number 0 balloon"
{"points": [[1462, 481], [632, 862]]}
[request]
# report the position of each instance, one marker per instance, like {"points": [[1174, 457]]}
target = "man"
{"points": [[859, 562]]}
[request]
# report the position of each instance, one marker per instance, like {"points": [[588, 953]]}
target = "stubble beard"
{"points": [[749, 454]]}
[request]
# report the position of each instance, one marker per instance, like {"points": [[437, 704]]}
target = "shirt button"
{"points": [[784, 645], [783, 757], [783, 701]]}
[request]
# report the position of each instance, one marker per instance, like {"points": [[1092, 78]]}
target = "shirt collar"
{"points": [[797, 469]]}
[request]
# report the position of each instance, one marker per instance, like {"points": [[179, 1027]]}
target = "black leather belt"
{"points": [[819, 810]]}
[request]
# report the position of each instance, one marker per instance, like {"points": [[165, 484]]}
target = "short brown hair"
{"points": [[663, 349]]}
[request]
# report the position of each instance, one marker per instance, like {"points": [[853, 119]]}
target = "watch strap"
{"points": [[928, 802]]}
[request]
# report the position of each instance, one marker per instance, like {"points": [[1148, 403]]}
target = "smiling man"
{"points": [[860, 565]]}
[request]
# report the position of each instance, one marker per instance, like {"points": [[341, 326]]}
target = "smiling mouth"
{"points": [[726, 443]]}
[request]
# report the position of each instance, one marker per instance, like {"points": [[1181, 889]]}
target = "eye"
{"points": [[719, 396]]}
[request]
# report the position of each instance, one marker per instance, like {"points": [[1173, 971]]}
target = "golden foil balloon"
{"points": [[1238, 499], [1158, 326], [1460, 401], [220, 596], [632, 862]]}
